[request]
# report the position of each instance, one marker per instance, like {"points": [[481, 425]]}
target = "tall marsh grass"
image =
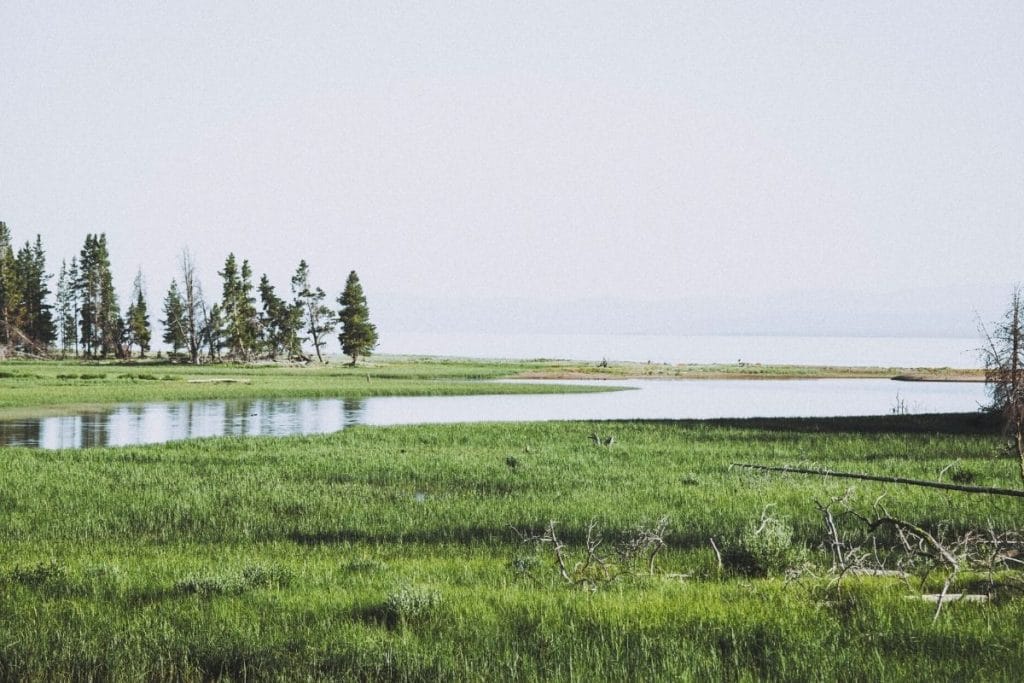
{"points": [[393, 554]]}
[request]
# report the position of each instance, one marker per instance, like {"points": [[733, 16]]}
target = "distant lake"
{"points": [[649, 399], [911, 352]]}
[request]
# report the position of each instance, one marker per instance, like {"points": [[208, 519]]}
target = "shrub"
{"points": [[765, 548], [256, 576], [411, 603]]}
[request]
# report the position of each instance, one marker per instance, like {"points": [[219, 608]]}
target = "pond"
{"points": [[159, 422]]}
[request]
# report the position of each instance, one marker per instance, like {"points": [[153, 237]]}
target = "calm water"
{"points": [[649, 399], [907, 352]]}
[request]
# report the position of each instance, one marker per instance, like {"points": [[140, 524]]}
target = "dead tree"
{"points": [[1003, 355]]}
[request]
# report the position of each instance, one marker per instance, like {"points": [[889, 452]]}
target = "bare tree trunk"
{"points": [[194, 304]]}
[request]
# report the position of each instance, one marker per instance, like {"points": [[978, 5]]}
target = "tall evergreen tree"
{"points": [[99, 311], [108, 312], [175, 325], [139, 329], [213, 332], [318, 318], [69, 324], [10, 295], [35, 314], [87, 289], [281, 322], [358, 335], [238, 309]]}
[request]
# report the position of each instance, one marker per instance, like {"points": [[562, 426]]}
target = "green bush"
{"points": [[411, 603], [765, 547]]}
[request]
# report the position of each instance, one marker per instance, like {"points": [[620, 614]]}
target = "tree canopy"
{"points": [[358, 337], [247, 322]]}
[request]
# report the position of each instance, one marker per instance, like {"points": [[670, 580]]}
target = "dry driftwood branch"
{"points": [[718, 553], [940, 551], [964, 488]]}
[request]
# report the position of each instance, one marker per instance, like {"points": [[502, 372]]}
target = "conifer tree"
{"points": [[318, 318], [358, 335], [139, 329], [212, 332], [71, 323], [238, 309], [10, 295], [99, 311], [174, 322], [35, 315], [281, 322]]}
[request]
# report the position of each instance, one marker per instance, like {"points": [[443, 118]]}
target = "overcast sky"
{"points": [[639, 151]]}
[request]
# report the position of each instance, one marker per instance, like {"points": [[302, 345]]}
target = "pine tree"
{"points": [[69, 324], [238, 308], [139, 328], [358, 335], [41, 326], [67, 307], [212, 332], [174, 322], [99, 311], [280, 322], [87, 291], [108, 312], [10, 295], [318, 317]]}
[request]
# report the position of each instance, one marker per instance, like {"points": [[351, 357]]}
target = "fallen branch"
{"points": [[1015, 493]]}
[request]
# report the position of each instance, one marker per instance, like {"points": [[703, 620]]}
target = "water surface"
{"points": [[650, 399], [904, 352]]}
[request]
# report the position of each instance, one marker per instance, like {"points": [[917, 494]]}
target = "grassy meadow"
{"points": [[419, 553], [28, 386]]}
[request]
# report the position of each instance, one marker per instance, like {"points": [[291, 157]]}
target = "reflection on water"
{"points": [[160, 422]]}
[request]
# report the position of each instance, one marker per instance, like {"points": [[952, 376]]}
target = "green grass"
{"points": [[28, 386], [395, 554]]}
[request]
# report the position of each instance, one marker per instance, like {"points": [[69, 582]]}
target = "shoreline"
{"points": [[570, 371]]}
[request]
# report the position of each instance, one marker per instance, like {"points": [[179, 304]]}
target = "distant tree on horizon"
{"points": [[99, 311], [1003, 356], [240, 328], [281, 322], [358, 335], [174, 319], [67, 307], [318, 317], [139, 328]]}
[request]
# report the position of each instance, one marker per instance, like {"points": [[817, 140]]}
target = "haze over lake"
{"points": [[910, 352]]}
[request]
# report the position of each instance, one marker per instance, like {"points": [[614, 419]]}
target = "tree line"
{"points": [[248, 322]]}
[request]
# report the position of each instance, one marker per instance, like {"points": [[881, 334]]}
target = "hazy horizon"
{"points": [[679, 168]]}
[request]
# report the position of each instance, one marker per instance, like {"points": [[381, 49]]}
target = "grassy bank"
{"points": [[396, 553], [26, 386]]}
